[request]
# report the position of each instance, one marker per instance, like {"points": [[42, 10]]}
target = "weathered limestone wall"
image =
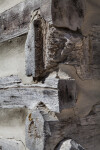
{"points": [[12, 126], [70, 59], [6, 4], [12, 58]]}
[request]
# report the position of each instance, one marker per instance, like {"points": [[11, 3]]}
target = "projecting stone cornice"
{"points": [[56, 94]]}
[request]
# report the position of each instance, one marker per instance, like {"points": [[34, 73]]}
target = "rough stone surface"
{"points": [[63, 13], [72, 48], [7, 4], [12, 58], [69, 145], [51, 14], [14, 22], [86, 134], [37, 127], [24, 95], [57, 46], [34, 47], [11, 144], [56, 131], [63, 41], [63, 46], [8, 81]]}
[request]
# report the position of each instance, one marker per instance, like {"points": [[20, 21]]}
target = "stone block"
{"points": [[64, 13], [63, 46], [11, 144], [34, 47], [37, 127], [57, 95]]}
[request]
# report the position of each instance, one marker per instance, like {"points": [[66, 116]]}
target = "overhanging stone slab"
{"points": [[56, 97]]}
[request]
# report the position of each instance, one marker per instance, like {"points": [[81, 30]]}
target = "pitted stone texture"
{"points": [[50, 93], [11, 144], [8, 81], [34, 46], [72, 48], [15, 21], [35, 131], [62, 13], [37, 127], [63, 46]]}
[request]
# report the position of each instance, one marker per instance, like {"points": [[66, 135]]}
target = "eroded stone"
{"points": [[11, 144]]}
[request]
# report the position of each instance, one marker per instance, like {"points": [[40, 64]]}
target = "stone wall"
{"points": [[49, 75]]}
